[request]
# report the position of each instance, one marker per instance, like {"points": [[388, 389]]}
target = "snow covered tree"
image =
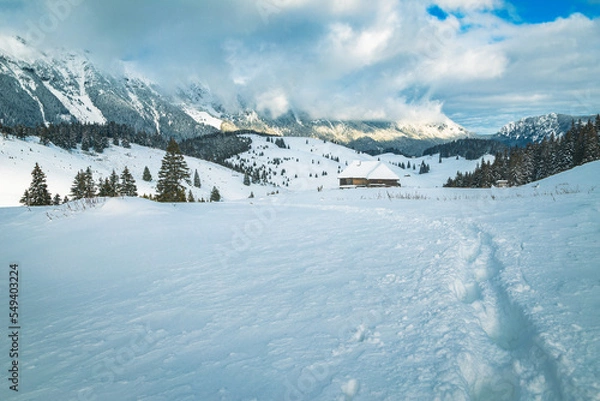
{"points": [[83, 185], [26, 198], [215, 195], [127, 185], [246, 180], [56, 200], [173, 170], [197, 182], [146, 175], [37, 194]]}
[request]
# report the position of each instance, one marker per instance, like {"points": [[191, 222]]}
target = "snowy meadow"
{"points": [[363, 294]]}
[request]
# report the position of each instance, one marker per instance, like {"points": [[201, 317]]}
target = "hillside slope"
{"points": [[304, 163]]}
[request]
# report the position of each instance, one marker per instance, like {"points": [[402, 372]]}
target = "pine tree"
{"points": [[173, 170], [105, 189], [591, 145], [37, 194], [246, 180], [147, 176], [56, 200], [127, 185], [26, 198], [90, 187], [83, 185], [215, 195], [197, 182], [190, 197]]}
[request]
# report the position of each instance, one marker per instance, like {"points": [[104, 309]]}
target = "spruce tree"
{"points": [[246, 180], [37, 194], [215, 195], [83, 185], [127, 186], [147, 176], [190, 197], [56, 200], [173, 170], [105, 189], [26, 198], [197, 182]]}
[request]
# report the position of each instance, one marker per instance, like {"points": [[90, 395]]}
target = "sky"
{"points": [[481, 63]]}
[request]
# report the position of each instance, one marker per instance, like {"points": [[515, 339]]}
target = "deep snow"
{"points": [[410, 293]]}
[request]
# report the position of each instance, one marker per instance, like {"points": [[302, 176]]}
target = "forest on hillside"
{"points": [[520, 166]]}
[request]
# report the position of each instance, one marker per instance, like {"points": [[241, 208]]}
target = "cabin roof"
{"points": [[370, 170]]}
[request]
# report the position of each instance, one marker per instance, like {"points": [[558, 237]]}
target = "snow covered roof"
{"points": [[371, 170]]}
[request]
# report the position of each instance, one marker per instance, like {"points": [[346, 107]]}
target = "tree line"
{"points": [[171, 176], [84, 186], [520, 166]]}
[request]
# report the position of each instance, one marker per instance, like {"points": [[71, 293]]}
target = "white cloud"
{"points": [[274, 101], [451, 5], [378, 59]]}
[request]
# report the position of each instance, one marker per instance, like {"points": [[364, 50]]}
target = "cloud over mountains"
{"points": [[472, 60]]}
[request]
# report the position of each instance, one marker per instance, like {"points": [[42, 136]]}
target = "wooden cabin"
{"points": [[368, 174]]}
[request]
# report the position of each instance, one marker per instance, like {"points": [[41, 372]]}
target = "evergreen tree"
{"points": [[173, 170], [90, 187], [56, 200], [105, 189], [190, 197], [246, 180], [114, 184], [26, 198], [591, 144], [127, 185], [147, 176], [83, 185], [197, 182], [215, 195], [37, 194]]}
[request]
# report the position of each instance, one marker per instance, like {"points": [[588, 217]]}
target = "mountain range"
{"points": [[535, 129], [38, 87], [52, 87]]}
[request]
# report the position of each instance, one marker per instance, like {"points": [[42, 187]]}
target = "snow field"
{"points": [[17, 159], [337, 295]]}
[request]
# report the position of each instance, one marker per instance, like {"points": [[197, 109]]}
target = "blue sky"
{"points": [[481, 63]]}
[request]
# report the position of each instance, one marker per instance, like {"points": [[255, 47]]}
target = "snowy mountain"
{"points": [[374, 294], [367, 136], [535, 129], [40, 88], [60, 86]]}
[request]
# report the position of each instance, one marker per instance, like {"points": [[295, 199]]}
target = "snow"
{"points": [[17, 159], [202, 117], [75, 97], [366, 294], [304, 164], [372, 170]]}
